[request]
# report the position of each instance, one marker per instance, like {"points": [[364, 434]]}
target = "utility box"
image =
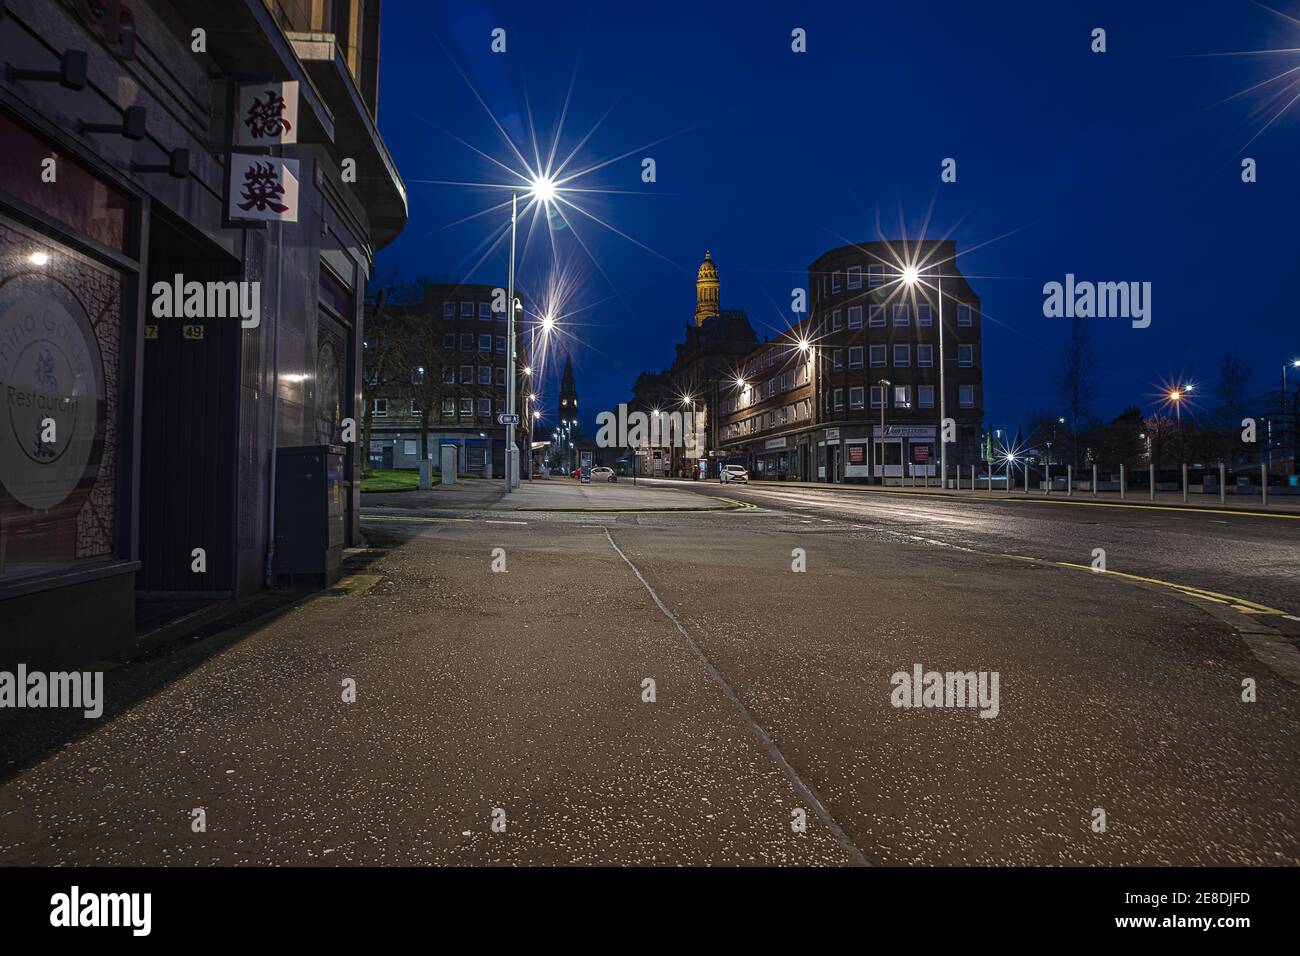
{"points": [[310, 514], [426, 473], [448, 464]]}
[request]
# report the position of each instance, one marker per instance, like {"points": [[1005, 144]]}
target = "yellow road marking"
{"points": [[1238, 604]]}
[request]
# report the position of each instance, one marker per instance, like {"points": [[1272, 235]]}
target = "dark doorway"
{"points": [[189, 424]]}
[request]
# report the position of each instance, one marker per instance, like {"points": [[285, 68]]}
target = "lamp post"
{"points": [[912, 275], [884, 384]]}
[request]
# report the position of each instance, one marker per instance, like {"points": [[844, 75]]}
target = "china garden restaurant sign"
{"points": [[264, 187]]}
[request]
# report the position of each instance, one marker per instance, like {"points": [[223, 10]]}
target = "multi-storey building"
{"points": [[695, 385], [179, 436], [852, 393], [446, 384]]}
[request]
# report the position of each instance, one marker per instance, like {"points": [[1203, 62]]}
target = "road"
{"points": [[775, 637]]}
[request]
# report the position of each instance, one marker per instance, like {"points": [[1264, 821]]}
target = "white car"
{"points": [[733, 473], [602, 473]]}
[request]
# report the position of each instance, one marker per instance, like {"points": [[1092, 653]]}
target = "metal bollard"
{"points": [[1122, 482], [1263, 482], [1184, 482], [1069, 481], [1151, 482], [1094, 481], [1223, 483]]}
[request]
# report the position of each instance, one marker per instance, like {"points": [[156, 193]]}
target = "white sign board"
{"points": [[266, 114], [263, 187]]}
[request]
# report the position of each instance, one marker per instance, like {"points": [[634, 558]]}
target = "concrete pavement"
{"points": [[519, 696]]}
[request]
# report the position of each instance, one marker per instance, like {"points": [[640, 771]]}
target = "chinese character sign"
{"points": [[266, 114], [263, 187]]}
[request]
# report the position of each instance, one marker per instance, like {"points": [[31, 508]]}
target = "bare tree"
{"points": [[384, 351], [1074, 382]]}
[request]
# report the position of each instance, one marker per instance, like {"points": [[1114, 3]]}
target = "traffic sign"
{"points": [[504, 419]]}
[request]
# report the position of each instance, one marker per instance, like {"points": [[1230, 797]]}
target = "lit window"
{"points": [[902, 396]]}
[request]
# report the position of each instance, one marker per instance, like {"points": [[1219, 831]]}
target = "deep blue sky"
{"points": [[1114, 166]]}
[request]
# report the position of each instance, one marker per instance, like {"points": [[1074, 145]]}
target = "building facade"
{"points": [[689, 394], [150, 450], [852, 393], [436, 375]]}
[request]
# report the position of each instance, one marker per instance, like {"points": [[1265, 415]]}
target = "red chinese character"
{"points": [[267, 119], [262, 189]]}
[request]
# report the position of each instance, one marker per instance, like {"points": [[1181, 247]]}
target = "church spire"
{"points": [[706, 291]]}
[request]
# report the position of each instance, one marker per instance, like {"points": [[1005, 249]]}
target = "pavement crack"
{"points": [[804, 791]]}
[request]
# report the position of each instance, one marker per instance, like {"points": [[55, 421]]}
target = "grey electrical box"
{"points": [[309, 515]]}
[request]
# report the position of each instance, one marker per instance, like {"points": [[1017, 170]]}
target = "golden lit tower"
{"points": [[706, 291]]}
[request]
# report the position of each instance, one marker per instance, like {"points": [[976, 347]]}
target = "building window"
{"points": [[449, 310], [835, 282], [449, 408], [484, 407], [837, 358], [501, 375], [485, 374], [923, 314], [380, 408], [467, 408], [415, 407], [856, 396], [855, 277], [965, 356], [417, 375], [902, 356], [878, 356], [877, 391], [501, 345], [467, 375], [925, 396], [449, 375], [855, 316], [900, 313], [485, 311], [837, 321], [485, 343], [875, 275], [467, 310], [876, 316], [902, 396], [449, 342], [467, 341], [966, 396], [771, 387], [924, 356], [964, 314], [839, 399], [855, 357]]}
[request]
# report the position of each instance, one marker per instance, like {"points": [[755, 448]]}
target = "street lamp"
{"points": [[912, 275], [541, 188], [1295, 426], [884, 384]]}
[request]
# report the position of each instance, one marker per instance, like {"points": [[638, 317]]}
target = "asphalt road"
{"points": [[521, 698]]}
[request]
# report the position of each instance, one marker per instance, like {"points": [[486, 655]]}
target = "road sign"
{"points": [[504, 419]]}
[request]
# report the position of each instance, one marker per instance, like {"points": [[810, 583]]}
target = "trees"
{"points": [[1074, 383], [383, 355]]}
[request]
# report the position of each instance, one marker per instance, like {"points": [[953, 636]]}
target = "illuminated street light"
{"points": [[912, 275]]}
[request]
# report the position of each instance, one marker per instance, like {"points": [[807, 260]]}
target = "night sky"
{"points": [[1122, 166]]}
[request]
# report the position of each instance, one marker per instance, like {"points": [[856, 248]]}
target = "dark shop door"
{"points": [[189, 425]]}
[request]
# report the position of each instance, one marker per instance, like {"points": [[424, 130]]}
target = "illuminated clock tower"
{"points": [[706, 291]]}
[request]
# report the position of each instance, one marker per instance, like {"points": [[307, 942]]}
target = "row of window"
{"points": [[485, 343], [383, 407], [902, 396], [901, 314], [902, 356], [468, 309], [776, 418], [759, 391]]}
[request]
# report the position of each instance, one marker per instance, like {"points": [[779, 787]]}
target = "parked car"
{"points": [[602, 473], [733, 473]]}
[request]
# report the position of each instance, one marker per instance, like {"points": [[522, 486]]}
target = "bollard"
{"points": [[1184, 482], [1122, 482], [1094, 481], [1263, 482], [1151, 482], [1026, 477], [1223, 482], [1069, 481], [1047, 477]]}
